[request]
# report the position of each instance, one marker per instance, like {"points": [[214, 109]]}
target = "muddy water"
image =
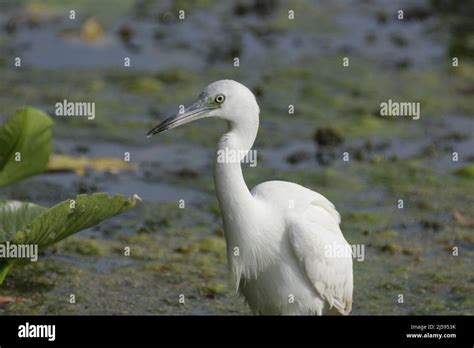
{"points": [[181, 251]]}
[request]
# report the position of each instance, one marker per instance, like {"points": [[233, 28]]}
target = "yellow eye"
{"points": [[219, 99]]}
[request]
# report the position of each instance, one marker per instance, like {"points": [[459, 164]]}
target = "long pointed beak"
{"points": [[194, 112]]}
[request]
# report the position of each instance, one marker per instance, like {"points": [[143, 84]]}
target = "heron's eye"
{"points": [[219, 98]]}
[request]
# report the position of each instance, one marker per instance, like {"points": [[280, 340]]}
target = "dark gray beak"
{"points": [[194, 112]]}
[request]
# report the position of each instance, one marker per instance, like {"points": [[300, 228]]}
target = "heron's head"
{"points": [[224, 99]]}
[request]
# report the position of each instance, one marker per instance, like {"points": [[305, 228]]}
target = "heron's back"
{"points": [[302, 279]]}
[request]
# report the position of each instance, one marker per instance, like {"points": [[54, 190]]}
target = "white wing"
{"points": [[317, 242]]}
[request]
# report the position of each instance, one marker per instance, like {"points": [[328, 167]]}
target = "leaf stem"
{"points": [[4, 269]]}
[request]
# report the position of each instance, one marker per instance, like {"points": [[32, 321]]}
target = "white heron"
{"points": [[281, 237]]}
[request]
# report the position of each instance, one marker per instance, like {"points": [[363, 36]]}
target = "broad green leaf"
{"points": [[25, 145], [56, 223], [61, 220], [14, 216]]}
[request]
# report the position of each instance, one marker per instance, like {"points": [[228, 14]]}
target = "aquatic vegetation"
{"points": [[92, 30], [145, 85], [26, 228], [466, 172], [32, 225], [79, 165], [25, 145]]}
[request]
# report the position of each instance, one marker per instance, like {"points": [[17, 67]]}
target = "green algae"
{"points": [[86, 247], [466, 172]]}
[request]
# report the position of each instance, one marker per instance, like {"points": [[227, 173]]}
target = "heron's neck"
{"points": [[241, 212], [232, 191]]}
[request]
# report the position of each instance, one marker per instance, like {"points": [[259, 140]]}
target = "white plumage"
{"points": [[280, 236]]}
